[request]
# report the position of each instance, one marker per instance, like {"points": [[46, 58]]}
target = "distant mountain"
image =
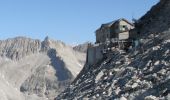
{"points": [[35, 70], [142, 73], [82, 47]]}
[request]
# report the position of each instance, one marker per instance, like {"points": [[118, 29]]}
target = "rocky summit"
{"points": [[35, 70], [141, 73]]}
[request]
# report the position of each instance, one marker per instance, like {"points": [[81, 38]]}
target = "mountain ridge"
{"points": [[37, 69]]}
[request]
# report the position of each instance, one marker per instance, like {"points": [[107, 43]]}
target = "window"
{"points": [[123, 27]]}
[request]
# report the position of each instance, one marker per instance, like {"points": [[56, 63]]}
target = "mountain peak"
{"points": [[47, 38], [46, 43]]}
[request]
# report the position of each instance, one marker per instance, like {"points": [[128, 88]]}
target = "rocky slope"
{"points": [[35, 70], [157, 19], [141, 73]]}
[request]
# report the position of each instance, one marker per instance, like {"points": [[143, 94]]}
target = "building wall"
{"points": [[94, 54], [122, 22], [118, 28], [133, 34], [102, 34], [124, 35], [113, 31]]}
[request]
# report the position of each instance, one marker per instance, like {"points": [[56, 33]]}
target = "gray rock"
{"points": [[145, 76], [37, 70], [82, 47]]}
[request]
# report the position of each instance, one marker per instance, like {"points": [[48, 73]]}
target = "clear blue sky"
{"points": [[72, 21]]}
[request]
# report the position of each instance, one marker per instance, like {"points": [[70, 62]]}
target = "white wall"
{"points": [[123, 35]]}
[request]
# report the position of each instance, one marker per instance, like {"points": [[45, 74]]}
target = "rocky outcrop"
{"points": [[37, 70], [135, 75], [50, 79], [19, 47], [45, 45], [142, 73], [155, 20]]}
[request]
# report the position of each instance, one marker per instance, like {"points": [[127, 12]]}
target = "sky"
{"points": [[71, 21]]}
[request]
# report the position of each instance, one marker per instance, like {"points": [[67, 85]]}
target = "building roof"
{"points": [[109, 24]]}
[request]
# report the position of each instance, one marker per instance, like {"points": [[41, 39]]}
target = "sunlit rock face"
{"points": [[35, 70], [19, 47]]}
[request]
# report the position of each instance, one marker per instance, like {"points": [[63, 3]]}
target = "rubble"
{"points": [[139, 74], [151, 98]]}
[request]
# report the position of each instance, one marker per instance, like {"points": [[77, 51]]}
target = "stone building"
{"points": [[118, 29], [116, 32]]}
